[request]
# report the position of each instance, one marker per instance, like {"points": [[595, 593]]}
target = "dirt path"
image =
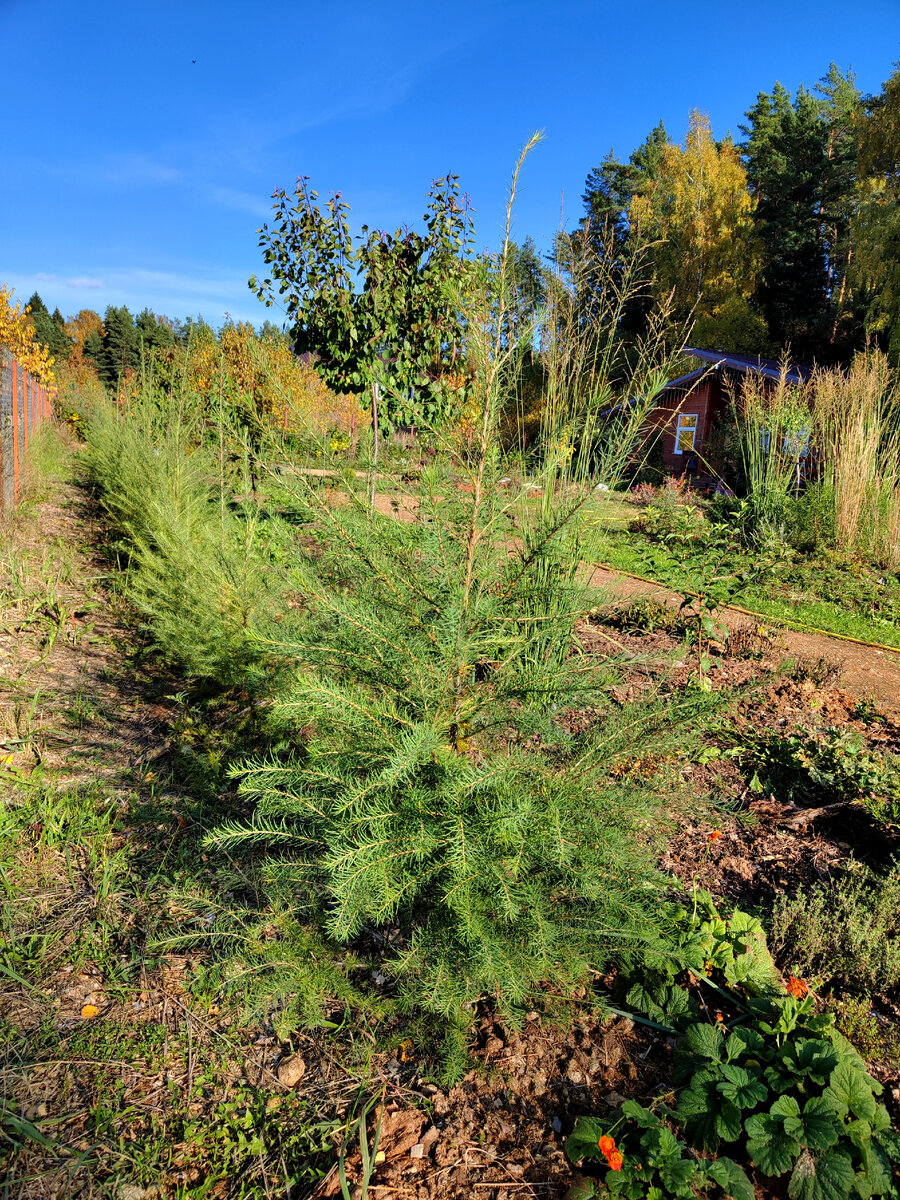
{"points": [[865, 671], [70, 702]]}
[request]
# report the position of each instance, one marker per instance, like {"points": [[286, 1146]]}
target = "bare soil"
{"points": [[866, 672]]}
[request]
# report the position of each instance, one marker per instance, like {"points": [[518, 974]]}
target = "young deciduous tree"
{"points": [[401, 321], [18, 337]]}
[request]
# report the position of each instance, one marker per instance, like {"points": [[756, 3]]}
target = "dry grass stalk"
{"points": [[857, 417]]}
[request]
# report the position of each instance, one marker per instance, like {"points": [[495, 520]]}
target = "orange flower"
{"points": [[607, 1144], [719, 1019], [714, 836], [615, 1161], [796, 987]]}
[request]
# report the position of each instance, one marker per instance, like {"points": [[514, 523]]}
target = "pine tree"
{"points": [[840, 105], [800, 159]]}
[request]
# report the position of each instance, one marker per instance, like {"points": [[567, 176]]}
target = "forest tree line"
{"points": [[785, 241], [788, 238]]}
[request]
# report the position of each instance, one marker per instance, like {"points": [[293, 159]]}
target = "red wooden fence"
{"points": [[24, 403]]}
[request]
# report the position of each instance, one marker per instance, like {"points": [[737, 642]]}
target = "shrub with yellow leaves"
{"points": [[17, 336], [263, 374]]}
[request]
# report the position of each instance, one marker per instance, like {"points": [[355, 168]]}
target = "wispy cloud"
{"points": [[136, 170], [249, 202], [124, 171], [188, 288]]}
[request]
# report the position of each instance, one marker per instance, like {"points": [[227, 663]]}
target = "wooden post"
{"points": [[374, 445], [15, 427]]}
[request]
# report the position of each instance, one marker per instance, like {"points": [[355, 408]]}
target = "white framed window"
{"points": [[796, 445], [686, 433]]}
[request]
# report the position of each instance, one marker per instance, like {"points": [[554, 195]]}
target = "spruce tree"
{"points": [[120, 351], [841, 108], [51, 330], [610, 188], [153, 332]]}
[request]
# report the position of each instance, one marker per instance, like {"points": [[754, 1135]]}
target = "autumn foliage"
{"points": [[262, 372], [17, 336]]}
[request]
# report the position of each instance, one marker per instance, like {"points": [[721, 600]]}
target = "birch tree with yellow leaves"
{"points": [[697, 214]]}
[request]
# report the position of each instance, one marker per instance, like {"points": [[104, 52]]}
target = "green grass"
{"points": [[108, 901]]}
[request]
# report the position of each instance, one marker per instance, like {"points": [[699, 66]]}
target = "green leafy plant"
{"points": [[655, 1164], [832, 764], [782, 1085], [708, 567], [773, 1081], [703, 942], [645, 616]]}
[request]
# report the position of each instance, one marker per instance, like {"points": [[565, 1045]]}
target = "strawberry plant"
{"points": [[782, 1086], [831, 764], [773, 1082]]}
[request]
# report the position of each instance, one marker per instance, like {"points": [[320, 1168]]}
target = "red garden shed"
{"points": [[690, 409]]}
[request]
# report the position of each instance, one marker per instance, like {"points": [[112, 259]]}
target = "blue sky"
{"points": [[142, 141]]}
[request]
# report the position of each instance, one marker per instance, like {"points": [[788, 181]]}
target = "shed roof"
{"points": [[745, 363], [748, 363]]}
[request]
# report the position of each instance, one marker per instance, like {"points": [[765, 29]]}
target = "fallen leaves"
{"points": [[291, 1071]]}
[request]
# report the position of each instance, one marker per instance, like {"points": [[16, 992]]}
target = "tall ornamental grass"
{"points": [[858, 419], [173, 475], [774, 433]]}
